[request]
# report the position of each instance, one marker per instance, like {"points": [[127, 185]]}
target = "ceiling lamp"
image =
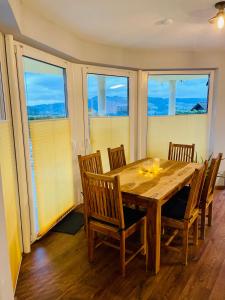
{"points": [[219, 18]]}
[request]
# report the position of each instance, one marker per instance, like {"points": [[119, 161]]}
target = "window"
{"points": [[2, 102], [45, 90], [177, 94], [108, 95]]}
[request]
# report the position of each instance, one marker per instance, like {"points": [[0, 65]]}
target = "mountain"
{"points": [[117, 106], [160, 106], [44, 111]]}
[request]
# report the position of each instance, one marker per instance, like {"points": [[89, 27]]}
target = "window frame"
{"points": [[4, 81], [143, 104]]}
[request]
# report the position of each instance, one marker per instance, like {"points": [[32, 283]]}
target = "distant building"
{"points": [[198, 107]]}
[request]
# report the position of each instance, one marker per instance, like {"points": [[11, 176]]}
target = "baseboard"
{"points": [[18, 275], [220, 187], [80, 207]]}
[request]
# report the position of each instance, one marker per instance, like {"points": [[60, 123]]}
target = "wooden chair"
{"points": [[89, 163], [117, 157], [107, 216], [182, 211], [206, 203], [181, 152]]}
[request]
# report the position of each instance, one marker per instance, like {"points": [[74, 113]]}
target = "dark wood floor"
{"points": [[58, 268]]}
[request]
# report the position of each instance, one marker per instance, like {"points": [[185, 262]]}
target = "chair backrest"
{"points": [[181, 152], [195, 191], [210, 181], [117, 157], [218, 161], [104, 200], [90, 163]]}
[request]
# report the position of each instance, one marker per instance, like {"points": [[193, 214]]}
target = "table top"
{"points": [[143, 179]]}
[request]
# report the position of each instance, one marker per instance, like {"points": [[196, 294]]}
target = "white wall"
{"points": [[6, 287]]}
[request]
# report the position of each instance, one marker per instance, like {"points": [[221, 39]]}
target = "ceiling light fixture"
{"points": [[219, 18]]}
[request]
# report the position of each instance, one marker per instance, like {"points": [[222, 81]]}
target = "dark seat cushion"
{"points": [[132, 216], [176, 206]]}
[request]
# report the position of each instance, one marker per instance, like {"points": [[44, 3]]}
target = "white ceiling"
{"points": [[136, 23]]}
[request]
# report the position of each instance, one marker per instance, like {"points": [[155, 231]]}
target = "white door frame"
{"points": [[20, 51], [132, 75], [6, 284], [143, 104]]}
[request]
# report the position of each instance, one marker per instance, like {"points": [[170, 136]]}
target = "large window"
{"points": [[108, 112], [45, 90], [177, 94], [108, 95], [179, 110]]}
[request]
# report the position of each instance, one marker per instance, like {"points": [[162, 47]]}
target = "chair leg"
{"points": [[86, 224], [144, 236], [145, 243], [210, 210], [122, 253], [185, 246], [203, 217], [91, 244], [195, 231], [85, 220]]}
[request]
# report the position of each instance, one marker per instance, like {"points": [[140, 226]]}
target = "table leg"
{"points": [[153, 236]]}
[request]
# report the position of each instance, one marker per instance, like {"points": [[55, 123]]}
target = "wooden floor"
{"points": [[58, 268]]}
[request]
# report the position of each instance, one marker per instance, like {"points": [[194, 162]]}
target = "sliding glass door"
{"points": [[48, 140], [109, 111]]}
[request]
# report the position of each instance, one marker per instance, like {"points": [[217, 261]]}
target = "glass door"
{"points": [[47, 135], [109, 111]]}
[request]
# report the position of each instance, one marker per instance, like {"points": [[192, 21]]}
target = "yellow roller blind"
{"points": [[109, 132], [8, 171], [186, 129], [53, 170]]}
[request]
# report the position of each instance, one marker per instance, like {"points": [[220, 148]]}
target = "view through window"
{"points": [[177, 94], [107, 95], [45, 90]]}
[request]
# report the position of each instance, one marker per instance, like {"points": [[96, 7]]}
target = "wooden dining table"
{"points": [[150, 186]]}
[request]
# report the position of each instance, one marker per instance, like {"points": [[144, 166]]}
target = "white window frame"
{"points": [[143, 104], [132, 76], [33, 53]]}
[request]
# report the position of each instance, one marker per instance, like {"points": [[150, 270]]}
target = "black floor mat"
{"points": [[71, 224]]}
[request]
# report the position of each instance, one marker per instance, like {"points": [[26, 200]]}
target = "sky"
{"points": [[192, 88], [115, 86], [44, 88]]}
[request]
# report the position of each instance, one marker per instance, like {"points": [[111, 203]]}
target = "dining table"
{"points": [[150, 183]]}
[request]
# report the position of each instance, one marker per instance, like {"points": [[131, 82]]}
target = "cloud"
{"points": [[44, 88]]}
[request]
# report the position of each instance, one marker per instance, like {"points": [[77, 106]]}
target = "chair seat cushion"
{"points": [[176, 206], [132, 216]]}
